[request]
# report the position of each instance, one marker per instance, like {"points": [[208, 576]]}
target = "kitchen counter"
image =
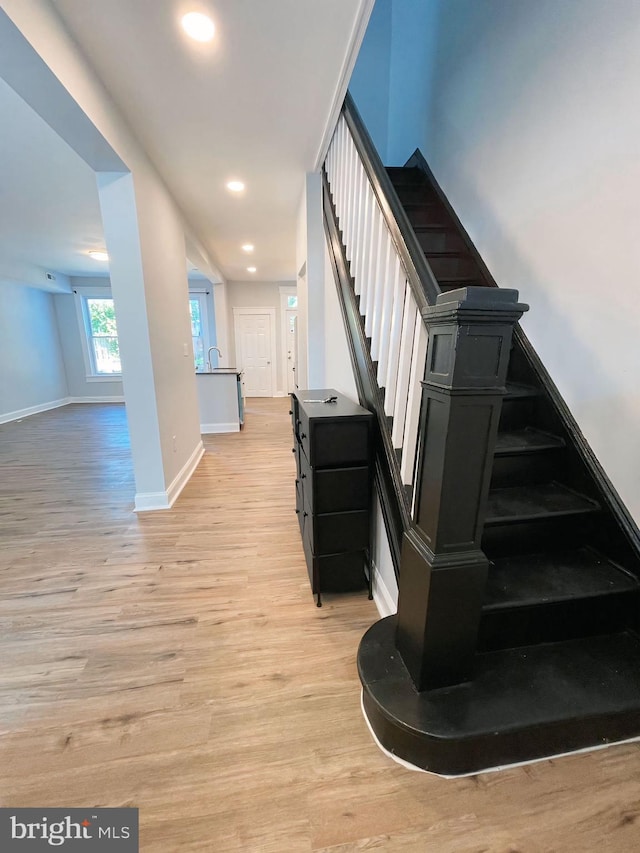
{"points": [[220, 400]]}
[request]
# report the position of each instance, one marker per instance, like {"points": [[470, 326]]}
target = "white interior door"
{"points": [[254, 349], [292, 348]]}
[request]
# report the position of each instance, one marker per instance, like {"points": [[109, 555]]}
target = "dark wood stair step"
{"points": [[532, 579], [453, 266], [523, 703], [515, 504], [405, 175], [527, 440], [423, 214]]}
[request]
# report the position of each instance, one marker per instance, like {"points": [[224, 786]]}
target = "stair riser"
{"points": [[440, 241], [529, 537], [448, 267], [427, 214], [412, 194], [517, 413], [549, 623], [525, 468]]}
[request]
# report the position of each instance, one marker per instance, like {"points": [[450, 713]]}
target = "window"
{"points": [[199, 328], [102, 336]]}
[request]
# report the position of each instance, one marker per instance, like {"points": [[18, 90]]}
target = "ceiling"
{"points": [[253, 104]]}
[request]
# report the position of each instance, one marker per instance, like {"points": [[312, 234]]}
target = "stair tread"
{"points": [[536, 501], [516, 390], [592, 680], [526, 440], [531, 579]]}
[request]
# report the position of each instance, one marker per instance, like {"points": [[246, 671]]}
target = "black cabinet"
{"points": [[332, 446]]}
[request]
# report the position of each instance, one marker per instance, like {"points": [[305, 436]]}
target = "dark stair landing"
{"points": [[523, 704], [558, 653]]}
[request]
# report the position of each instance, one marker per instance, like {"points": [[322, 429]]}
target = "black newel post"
{"points": [[443, 571]]}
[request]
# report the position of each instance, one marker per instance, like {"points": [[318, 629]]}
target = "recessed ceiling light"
{"points": [[235, 186], [198, 26], [99, 255], [248, 247], [251, 269]]}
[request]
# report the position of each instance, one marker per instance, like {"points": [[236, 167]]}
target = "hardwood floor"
{"points": [[175, 661]]}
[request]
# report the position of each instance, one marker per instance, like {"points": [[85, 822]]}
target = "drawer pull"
{"points": [[303, 435], [293, 450], [305, 514], [302, 477], [290, 412], [297, 512]]}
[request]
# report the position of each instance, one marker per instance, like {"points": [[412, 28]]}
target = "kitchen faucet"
{"points": [[209, 356]]}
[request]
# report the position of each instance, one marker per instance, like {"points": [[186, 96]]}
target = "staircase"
{"points": [[560, 568], [557, 654]]}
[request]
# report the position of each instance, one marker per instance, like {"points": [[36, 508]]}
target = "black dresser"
{"points": [[333, 447]]}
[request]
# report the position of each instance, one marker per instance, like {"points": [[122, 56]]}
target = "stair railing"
{"points": [[433, 366], [392, 284]]}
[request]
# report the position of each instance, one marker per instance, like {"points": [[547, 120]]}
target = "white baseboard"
{"points": [[112, 399], [152, 501], [54, 404], [207, 429], [382, 597], [18, 414]]}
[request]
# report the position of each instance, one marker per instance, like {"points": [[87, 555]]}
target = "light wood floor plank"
{"points": [[176, 661]]}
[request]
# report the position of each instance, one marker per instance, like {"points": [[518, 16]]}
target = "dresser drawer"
{"points": [[335, 489], [329, 443], [334, 572], [338, 531]]}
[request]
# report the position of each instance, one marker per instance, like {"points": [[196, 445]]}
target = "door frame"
{"points": [[285, 291], [242, 312]]}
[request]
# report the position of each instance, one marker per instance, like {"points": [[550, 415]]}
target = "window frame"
{"points": [[201, 296], [82, 295]]}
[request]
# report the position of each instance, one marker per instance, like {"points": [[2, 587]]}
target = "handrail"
{"points": [[421, 279]]}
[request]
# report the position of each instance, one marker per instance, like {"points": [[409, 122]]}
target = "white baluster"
{"points": [[368, 247], [393, 364], [390, 291], [404, 369], [341, 176], [409, 444], [386, 250], [378, 242], [360, 214], [328, 162], [348, 199]]}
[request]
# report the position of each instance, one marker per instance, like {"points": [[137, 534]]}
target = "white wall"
{"points": [[529, 128], [302, 370], [32, 375], [258, 294], [369, 84]]}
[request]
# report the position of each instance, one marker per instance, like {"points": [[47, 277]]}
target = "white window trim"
{"points": [[201, 295], [81, 294], [286, 290]]}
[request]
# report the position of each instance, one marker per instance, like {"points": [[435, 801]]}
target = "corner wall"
{"points": [[32, 374]]}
